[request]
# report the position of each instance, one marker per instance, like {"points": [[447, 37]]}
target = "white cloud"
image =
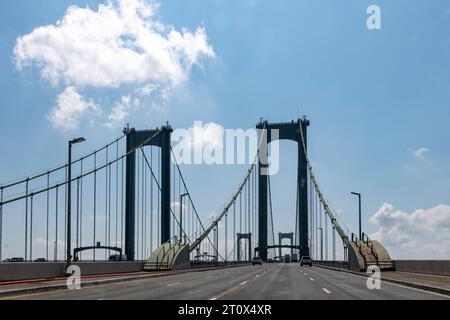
{"points": [[70, 108], [122, 43], [421, 234], [121, 111], [419, 153]]}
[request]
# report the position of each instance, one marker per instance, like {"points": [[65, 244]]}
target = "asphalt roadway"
{"points": [[267, 282]]}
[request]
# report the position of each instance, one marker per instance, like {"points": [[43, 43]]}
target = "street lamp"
{"points": [[181, 214], [359, 197], [321, 242], [69, 199]]}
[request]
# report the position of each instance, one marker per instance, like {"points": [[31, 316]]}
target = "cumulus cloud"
{"points": [[121, 43], [419, 153], [70, 108], [121, 111], [422, 234]]}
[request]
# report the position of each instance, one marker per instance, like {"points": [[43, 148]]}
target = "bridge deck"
{"points": [[268, 282]]}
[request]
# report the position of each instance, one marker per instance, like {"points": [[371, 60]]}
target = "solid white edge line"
{"points": [[385, 282]]}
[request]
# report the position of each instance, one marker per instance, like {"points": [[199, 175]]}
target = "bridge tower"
{"points": [[282, 236], [248, 237], [158, 138], [283, 131]]}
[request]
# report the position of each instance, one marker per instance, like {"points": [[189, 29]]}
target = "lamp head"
{"points": [[77, 140]]}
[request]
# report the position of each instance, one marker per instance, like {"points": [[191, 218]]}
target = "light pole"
{"points": [[321, 242], [359, 198], [181, 215], [69, 200]]}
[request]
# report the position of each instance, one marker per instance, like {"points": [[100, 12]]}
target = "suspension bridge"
{"points": [[128, 202]]}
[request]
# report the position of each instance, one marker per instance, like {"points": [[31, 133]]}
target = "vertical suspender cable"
{"points": [[234, 229], [26, 220], [31, 227], [78, 215], [47, 222], [137, 206], [56, 225], [117, 193], [106, 202], [95, 203], [158, 216], [151, 205], [81, 206]]}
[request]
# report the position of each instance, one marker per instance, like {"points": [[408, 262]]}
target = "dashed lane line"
{"points": [[173, 284]]}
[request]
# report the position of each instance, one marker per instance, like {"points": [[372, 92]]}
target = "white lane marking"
{"points": [[173, 284], [363, 276], [311, 279], [243, 283], [257, 276], [212, 299], [305, 274], [326, 291]]}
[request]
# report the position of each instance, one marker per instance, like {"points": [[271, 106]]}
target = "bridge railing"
{"points": [[333, 264]]}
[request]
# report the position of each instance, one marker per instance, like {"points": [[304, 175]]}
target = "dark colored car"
{"points": [[287, 258], [257, 260], [40, 260], [306, 261], [118, 257]]}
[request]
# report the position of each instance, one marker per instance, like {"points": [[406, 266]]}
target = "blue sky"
{"points": [[373, 97]]}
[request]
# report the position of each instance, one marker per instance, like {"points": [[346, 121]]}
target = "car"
{"points": [[257, 260], [17, 259], [118, 257], [277, 259], [40, 260], [287, 259], [270, 260], [306, 261], [294, 258]]}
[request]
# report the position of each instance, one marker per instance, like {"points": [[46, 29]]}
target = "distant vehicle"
{"points": [[14, 260], [306, 260], [257, 260], [118, 257], [294, 258], [40, 260], [270, 260], [287, 258], [278, 259]]}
